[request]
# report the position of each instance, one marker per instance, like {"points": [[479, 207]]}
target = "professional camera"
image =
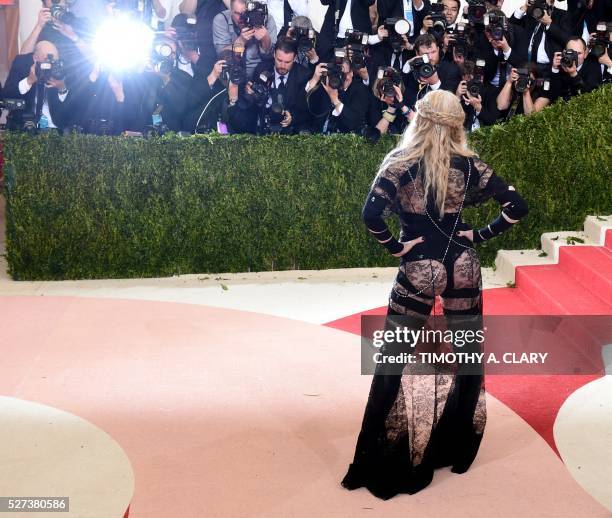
{"points": [[273, 115], [569, 57], [187, 35], [234, 69], [261, 87], [601, 41], [333, 71], [476, 11], [397, 27], [61, 13], [461, 42], [256, 15], [356, 43], [388, 78], [303, 38], [161, 57], [421, 67], [436, 14], [523, 82], [495, 25], [476, 84], [12, 104], [50, 69], [538, 8]]}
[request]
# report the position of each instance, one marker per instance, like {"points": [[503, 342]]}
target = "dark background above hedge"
{"points": [[82, 206]]}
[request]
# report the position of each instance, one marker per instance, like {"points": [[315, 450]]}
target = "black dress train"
{"points": [[417, 422]]}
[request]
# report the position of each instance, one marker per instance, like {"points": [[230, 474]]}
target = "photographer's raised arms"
{"points": [[251, 66]]}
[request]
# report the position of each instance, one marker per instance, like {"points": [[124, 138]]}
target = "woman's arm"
{"points": [[513, 209]]}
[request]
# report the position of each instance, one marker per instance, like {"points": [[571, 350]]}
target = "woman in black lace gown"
{"points": [[415, 422]]}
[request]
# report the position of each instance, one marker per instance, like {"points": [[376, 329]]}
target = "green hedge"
{"points": [[83, 206]]}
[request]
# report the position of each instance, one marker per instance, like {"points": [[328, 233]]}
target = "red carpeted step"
{"points": [[507, 301], [555, 292], [591, 266], [608, 239]]}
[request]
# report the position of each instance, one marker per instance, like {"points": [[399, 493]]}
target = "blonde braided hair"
{"points": [[434, 135]]}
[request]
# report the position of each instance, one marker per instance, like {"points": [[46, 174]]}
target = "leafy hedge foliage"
{"points": [[83, 206]]}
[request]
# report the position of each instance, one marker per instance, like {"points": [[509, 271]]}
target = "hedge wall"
{"points": [[83, 206]]}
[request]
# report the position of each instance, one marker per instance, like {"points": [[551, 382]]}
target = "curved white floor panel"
{"points": [[47, 452], [583, 434]]}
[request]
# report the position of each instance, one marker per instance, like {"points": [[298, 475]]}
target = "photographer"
{"points": [[275, 101], [388, 112], [576, 73], [546, 27], [302, 35], [69, 34], [411, 10], [584, 16], [231, 29], [478, 97], [523, 93], [39, 79], [337, 110], [450, 13], [205, 101], [418, 80], [351, 15]]}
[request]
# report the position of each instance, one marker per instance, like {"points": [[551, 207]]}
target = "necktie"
{"points": [[281, 89], [502, 66], [532, 54]]}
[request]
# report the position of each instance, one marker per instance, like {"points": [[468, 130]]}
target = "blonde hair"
{"points": [[434, 134]]}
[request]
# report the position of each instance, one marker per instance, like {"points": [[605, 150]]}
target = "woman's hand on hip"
{"points": [[408, 245], [466, 233]]}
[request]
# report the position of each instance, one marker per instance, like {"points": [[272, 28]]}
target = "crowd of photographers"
{"points": [[235, 71]]}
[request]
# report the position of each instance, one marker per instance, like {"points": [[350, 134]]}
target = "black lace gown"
{"points": [[417, 422]]}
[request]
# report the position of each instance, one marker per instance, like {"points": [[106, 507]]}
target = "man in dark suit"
{"points": [[356, 17], [582, 77], [50, 100], [286, 81], [584, 16], [546, 35], [446, 77], [342, 110]]}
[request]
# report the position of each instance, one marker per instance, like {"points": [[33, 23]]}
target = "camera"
{"points": [[303, 38], [397, 27], [333, 71], [495, 25], [476, 84], [186, 34], [12, 104], [461, 42], [273, 115], [538, 8], [569, 57], [162, 58], [388, 78], [523, 82], [476, 12], [261, 87], [50, 69], [61, 13], [234, 69], [421, 67], [436, 14], [256, 15], [601, 42], [356, 44]]}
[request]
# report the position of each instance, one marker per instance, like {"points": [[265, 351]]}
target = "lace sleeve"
{"points": [[379, 205]]}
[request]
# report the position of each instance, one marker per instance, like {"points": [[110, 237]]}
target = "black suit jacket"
{"points": [[488, 114], [556, 35], [448, 73], [395, 9], [601, 11], [356, 100], [61, 112], [588, 78], [360, 16]]}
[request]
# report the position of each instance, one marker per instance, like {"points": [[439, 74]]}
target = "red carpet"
{"points": [[580, 284]]}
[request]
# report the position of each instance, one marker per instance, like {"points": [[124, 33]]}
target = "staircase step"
{"points": [[552, 241], [506, 262], [596, 227], [591, 267], [553, 291], [608, 239], [507, 301]]}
